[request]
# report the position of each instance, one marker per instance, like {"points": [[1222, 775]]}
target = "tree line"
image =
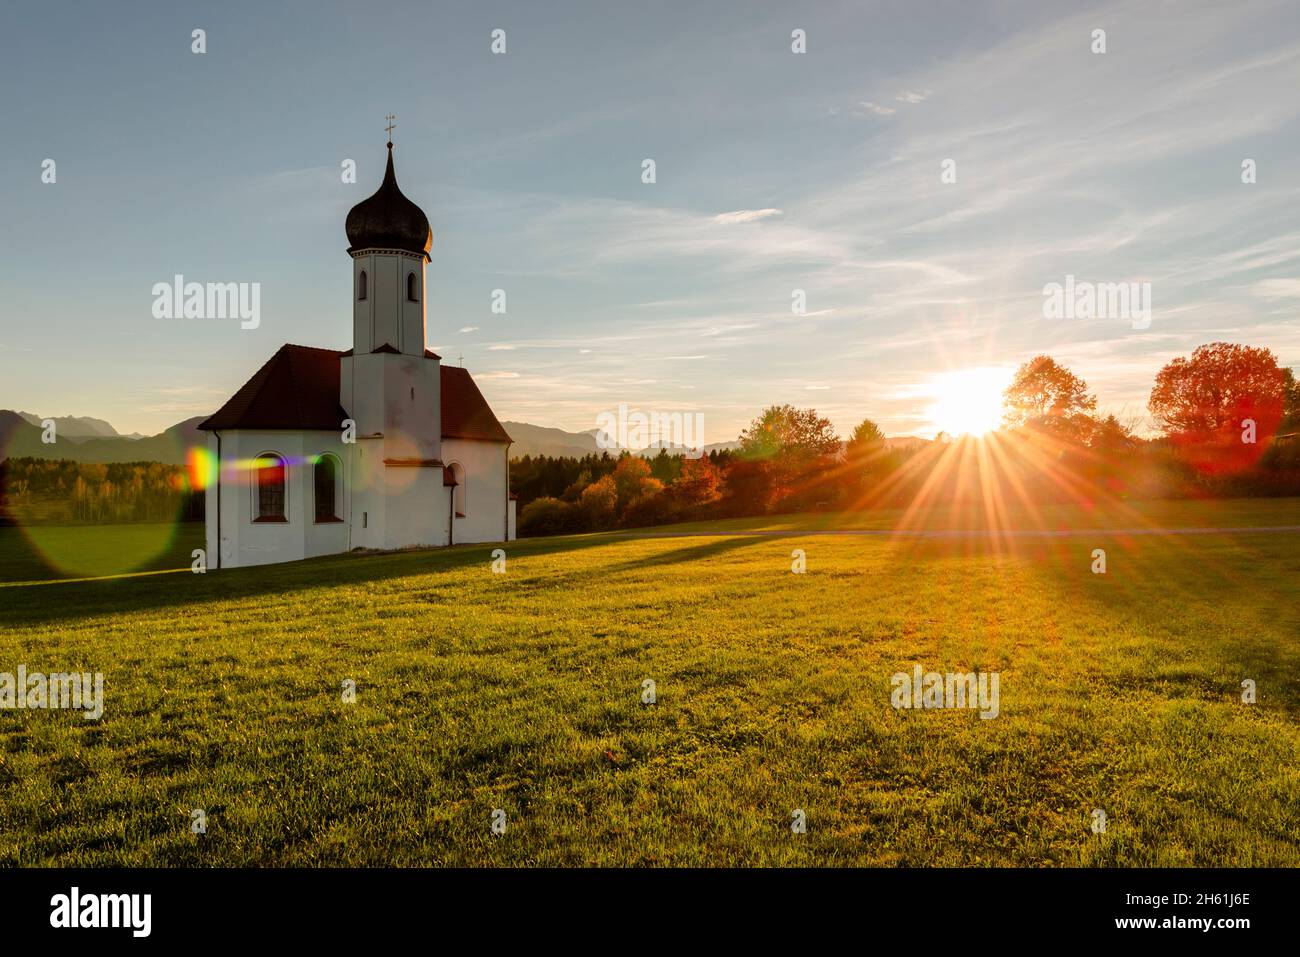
{"points": [[1229, 415], [60, 491]]}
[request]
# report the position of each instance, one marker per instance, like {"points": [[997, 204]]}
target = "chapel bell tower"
{"points": [[390, 384]]}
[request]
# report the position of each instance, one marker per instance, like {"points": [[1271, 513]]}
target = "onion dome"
{"points": [[388, 220]]}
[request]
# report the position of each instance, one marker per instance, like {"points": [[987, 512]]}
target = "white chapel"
{"points": [[378, 447]]}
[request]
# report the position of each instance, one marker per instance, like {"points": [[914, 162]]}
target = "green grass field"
{"points": [[43, 552], [522, 691]]}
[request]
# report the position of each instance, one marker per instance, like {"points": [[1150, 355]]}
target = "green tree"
{"points": [[1112, 438], [866, 455], [789, 450], [782, 432], [1291, 406], [867, 436], [666, 467]]}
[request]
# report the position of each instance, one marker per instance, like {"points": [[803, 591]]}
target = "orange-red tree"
{"points": [[1223, 404], [1221, 384], [699, 482]]}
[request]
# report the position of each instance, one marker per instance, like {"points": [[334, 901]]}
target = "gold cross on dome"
{"points": [[391, 125]]}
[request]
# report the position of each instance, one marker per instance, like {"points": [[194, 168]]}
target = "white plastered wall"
{"points": [[246, 542], [485, 492], [386, 315]]}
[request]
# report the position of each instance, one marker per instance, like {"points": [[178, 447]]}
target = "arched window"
{"points": [[412, 290], [361, 285], [327, 484], [271, 480]]}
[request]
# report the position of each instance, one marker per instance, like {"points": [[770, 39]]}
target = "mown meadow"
{"points": [[523, 691]]}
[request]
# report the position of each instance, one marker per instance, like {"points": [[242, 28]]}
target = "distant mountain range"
{"points": [[79, 427], [83, 439], [86, 439]]}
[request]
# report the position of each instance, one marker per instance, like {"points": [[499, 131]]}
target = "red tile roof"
{"points": [[465, 413], [298, 388]]}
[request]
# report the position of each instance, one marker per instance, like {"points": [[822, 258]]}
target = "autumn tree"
{"points": [[748, 487], [1047, 397], [600, 501], [699, 482], [632, 480], [1222, 405], [1211, 393]]}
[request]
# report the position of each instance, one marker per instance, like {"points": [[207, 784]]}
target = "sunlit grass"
{"points": [[522, 692]]}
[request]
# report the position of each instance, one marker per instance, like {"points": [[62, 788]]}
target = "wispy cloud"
{"points": [[1115, 167], [1277, 289], [746, 215]]}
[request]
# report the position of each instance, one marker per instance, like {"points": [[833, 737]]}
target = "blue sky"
{"points": [[775, 171]]}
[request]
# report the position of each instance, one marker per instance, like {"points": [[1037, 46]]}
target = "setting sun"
{"points": [[967, 401]]}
